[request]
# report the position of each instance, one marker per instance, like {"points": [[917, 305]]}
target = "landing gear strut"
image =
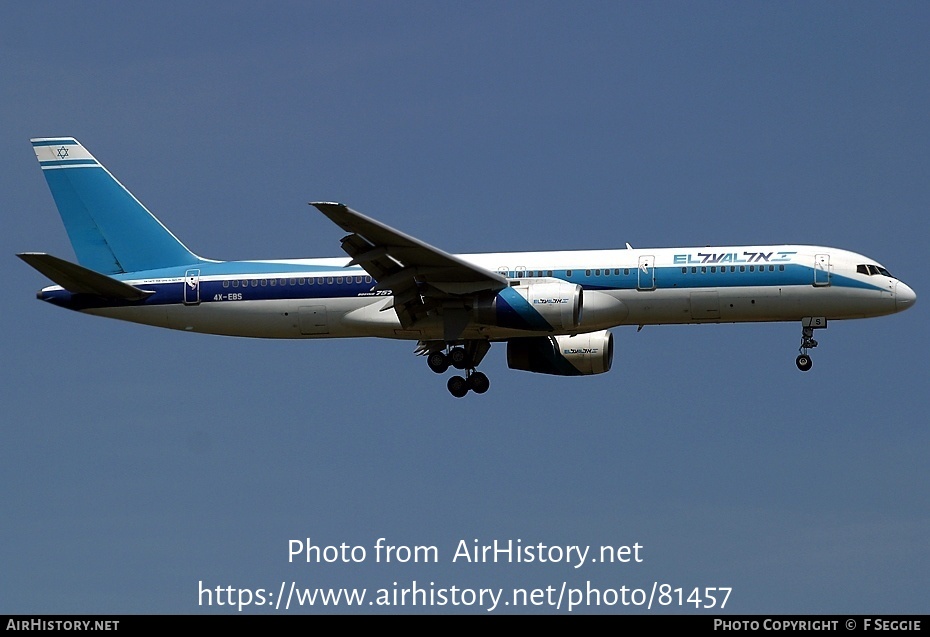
{"points": [[803, 360], [465, 357]]}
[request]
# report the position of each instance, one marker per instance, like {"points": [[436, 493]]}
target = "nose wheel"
{"points": [[803, 361]]}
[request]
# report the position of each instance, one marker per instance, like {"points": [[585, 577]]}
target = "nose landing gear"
{"points": [[808, 324]]}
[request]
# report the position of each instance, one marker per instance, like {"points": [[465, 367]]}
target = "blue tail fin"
{"points": [[110, 231]]}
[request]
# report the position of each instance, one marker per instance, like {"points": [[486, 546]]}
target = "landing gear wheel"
{"points": [[808, 324], [478, 383], [459, 358], [438, 362], [458, 386]]}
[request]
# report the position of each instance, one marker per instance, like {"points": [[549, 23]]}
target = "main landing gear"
{"points": [[803, 360], [465, 358]]}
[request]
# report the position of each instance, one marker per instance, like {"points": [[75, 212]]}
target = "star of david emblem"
{"points": [[62, 152]]}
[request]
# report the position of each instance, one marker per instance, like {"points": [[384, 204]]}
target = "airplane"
{"points": [[554, 310]]}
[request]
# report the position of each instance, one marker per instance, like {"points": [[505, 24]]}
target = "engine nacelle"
{"points": [[579, 355], [541, 307]]}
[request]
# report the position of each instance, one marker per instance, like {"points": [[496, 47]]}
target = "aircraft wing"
{"points": [[420, 276]]}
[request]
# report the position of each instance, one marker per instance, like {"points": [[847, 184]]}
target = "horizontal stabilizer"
{"points": [[80, 280]]}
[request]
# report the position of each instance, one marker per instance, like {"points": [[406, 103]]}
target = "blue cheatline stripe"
{"points": [[69, 162], [671, 277], [56, 142], [246, 270], [214, 291], [841, 281], [675, 280]]}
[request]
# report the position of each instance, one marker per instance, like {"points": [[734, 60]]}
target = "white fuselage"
{"points": [[320, 298]]}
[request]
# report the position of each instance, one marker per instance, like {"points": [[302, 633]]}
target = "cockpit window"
{"points": [[868, 268]]}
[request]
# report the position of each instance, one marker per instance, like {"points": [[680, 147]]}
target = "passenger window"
{"points": [[742, 268], [236, 283], [568, 273], [225, 284], [264, 282], [587, 272]]}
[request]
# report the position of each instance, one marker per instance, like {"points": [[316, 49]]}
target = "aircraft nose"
{"points": [[904, 296]]}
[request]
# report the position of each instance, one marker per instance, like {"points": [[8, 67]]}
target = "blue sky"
{"points": [[137, 462]]}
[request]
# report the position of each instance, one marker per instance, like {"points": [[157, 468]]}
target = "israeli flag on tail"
{"points": [[110, 230]]}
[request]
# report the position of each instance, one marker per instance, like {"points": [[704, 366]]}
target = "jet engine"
{"points": [[544, 307], [579, 355]]}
